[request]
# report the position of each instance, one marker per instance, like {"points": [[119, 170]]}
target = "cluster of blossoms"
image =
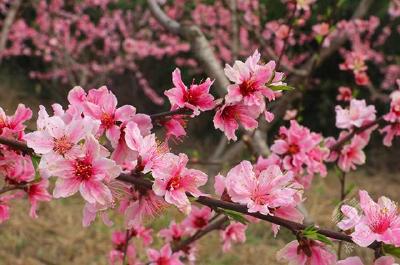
{"points": [[253, 83], [351, 119], [96, 148], [299, 150], [17, 167]]}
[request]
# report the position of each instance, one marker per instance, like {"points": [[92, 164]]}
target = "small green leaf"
{"points": [[350, 188], [235, 216], [319, 38], [35, 162], [391, 250], [281, 87], [311, 232]]}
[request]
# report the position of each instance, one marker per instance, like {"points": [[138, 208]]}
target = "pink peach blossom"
{"points": [[173, 180], [295, 255], [198, 218], [38, 192], [356, 115], [251, 80], [229, 116], [376, 222], [164, 257], [101, 104], [196, 97], [352, 154], [345, 94], [233, 233], [86, 173], [261, 192]]}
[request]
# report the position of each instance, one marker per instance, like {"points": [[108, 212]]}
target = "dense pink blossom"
{"points": [[196, 97], [376, 221], [140, 204], [198, 218], [147, 151], [116, 256], [5, 207], [92, 210], [233, 233], [86, 173], [358, 114], [173, 180], [59, 138], [251, 80], [294, 254], [345, 94], [298, 148], [101, 104], [229, 116], [16, 168], [261, 191], [38, 192], [175, 232], [352, 154], [164, 257], [14, 125]]}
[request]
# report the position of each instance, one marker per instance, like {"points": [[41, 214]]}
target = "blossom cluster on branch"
{"points": [[110, 155]]}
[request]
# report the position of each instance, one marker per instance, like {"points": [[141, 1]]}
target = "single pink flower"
{"points": [[86, 173], [38, 192], [352, 154], [101, 104], [251, 81], [5, 207], [175, 232], [13, 125], [233, 233], [295, 255], [173, 180], [92, 210], [16, 168], [148, 152], [351, 217], [345, 94], [229, 116], [262, 191], [59, 138], [140, 204], [378, 222], [356, 115], [321, 29], [390, 132], [198, 218], [196, 97], [175, 126], [164, 257]]}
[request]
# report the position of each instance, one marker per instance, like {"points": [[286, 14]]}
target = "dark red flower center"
{"points": [[247, 87], [200, 222], [163, 261], [83, 169], [293, 149], [107, 120], [174, 183]]}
